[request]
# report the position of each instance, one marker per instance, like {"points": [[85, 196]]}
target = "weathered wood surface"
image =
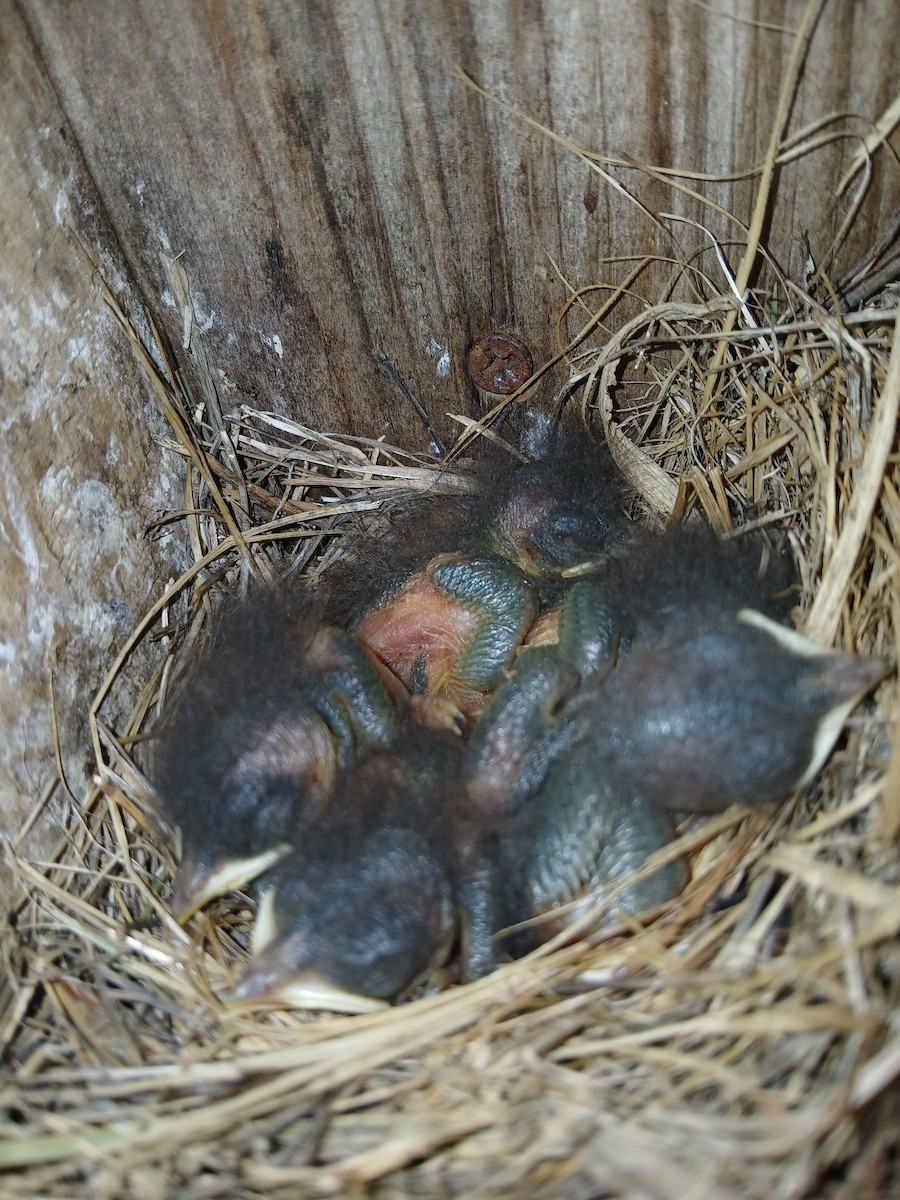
{"points": [[80, 475], [334, 192]]}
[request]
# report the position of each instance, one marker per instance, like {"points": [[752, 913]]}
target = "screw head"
{"points": [[499, 363]]}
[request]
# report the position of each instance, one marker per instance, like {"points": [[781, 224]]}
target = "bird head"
{"points": [[549, 518], [746, 711], [350, 932], [254, 778]]}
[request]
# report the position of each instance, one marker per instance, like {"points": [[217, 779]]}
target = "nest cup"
{"points": [[746, 1048]]}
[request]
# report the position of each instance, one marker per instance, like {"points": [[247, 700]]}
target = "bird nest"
{"points": [[743, 1042]]}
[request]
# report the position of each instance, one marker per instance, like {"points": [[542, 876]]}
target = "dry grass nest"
{"points": [[749, 1048]]}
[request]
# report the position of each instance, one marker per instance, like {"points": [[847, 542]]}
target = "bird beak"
{"points": [[273, 976], [264, 983], [197, 884], [842, 678], [265, 927], [581, 568], [847, 678]]}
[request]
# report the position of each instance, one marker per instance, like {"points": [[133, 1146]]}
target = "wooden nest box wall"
{"points": [[321, 210]]}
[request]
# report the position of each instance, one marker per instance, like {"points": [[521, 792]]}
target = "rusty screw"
{"points": [[498, 363]]}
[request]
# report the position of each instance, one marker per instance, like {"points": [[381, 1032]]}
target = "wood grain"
{"points": [[335, 193], [81, 476]]}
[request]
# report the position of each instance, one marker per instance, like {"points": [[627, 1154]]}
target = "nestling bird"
{"points": [[457, 582], [453, 627], [704, 698], [277, 704], [588, 829], [558, 825], [688, 700], [365, 905]]}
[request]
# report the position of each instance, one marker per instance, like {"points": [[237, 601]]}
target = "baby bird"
{"points": [[554, 827], [589, 828], [364, 906], [554, 513], [688, 700], [704, 697], [235, 790], [453, 627], [275, 707], [461, 579]]}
